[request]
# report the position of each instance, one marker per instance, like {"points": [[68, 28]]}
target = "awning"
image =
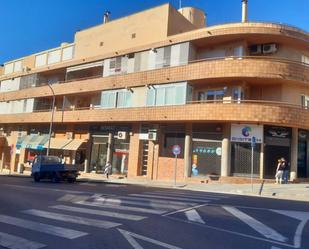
{"points": [[65, 144], [85, 66], [74, 144], [32, 141]]}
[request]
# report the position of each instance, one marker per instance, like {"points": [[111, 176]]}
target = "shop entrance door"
{"points": [[272, 154], [98, 154]]}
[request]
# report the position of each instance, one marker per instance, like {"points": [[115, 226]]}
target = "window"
{"points": [[119, 99], [305, 101], [40, 60], [133, 35], [210, 95], [68, 53], [238, 93], [124, 99], [171, 139], [54, 56], [169, 94]]}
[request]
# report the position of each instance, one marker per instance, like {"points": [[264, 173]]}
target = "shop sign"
{"points": [[279, 132], [243, 133]]}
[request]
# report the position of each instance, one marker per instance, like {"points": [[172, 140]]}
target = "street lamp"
{"points": [[52, 118]]}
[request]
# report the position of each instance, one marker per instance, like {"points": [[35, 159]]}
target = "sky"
{"points": [[31, 26]]}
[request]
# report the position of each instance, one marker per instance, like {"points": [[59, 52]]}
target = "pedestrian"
{"points": [[286, 170], [279, 171], [107, 169]]}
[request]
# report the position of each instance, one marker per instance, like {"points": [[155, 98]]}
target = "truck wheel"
{"points": [[71, 180], [36, 177], [55, 178]]}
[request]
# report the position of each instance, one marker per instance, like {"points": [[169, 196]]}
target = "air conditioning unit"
{"points": [[255, 49], [26, 69], [152, 136], [269, 48], [69, 135], [122, 135]]}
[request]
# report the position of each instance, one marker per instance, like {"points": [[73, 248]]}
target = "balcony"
{"points": [[266, 68], [263, 112]]}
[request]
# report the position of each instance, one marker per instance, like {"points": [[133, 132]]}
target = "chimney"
{"points": [[106, 16], [244, 11]]}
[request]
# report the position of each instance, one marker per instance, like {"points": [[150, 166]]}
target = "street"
{"points": [[88, 215]]}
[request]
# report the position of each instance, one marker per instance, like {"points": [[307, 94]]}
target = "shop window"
{"points": [[206, 157], [171, 139]]}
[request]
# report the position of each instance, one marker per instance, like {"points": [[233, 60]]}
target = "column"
{"points": [[294, 152], [2, 160], [134, 152], [225, 153], [109, 148], [88, 156], [187, 150], [262, 161]]}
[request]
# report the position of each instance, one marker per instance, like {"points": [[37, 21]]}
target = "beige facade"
{"points": [[129, 89]]}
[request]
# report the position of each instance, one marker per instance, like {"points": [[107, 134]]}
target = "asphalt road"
{"points": [[114, 216]]}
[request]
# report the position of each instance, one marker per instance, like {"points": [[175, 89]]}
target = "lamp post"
{"points": [[52, 118]]}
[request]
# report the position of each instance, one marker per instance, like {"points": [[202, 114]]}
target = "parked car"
{"points": [[52, 167]]}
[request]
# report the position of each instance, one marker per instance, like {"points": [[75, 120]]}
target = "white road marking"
{"points": [[72, 219], [256, 225], [88, 184], [185, 209], [169, 198], [166, 202], [14, 242], [130, 237], [158, 203], [192, 194], [146, 203], [302, 216], [99, 212], [201, 198], [73, 198], [274, 247], [128, 208], [294, 214], [194, 216], [234, 233], [43, 228]]}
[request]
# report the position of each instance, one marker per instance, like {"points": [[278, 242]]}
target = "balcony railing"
{"points": [[269, 58], [195, 102]]}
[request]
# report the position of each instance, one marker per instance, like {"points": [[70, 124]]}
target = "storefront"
{"points": [[110, 143], [241, 149], [206, 150], [277, 144], [303, 154]]}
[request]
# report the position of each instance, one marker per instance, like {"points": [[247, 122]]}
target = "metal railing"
{"points": [[194, 102]]}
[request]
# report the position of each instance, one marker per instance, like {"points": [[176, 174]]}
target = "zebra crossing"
{"points": [[99, 211], [249, 222]]}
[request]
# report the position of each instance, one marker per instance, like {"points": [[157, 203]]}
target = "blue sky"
{"points": [[31, 26]]}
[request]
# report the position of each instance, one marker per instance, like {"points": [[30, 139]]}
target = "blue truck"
{"points": [[52, 167]]}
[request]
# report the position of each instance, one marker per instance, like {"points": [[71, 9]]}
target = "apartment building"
{"points": [[128, 90]]}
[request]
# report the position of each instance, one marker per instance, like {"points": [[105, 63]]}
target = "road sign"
{"points": [[253, 141], [176, 150]]}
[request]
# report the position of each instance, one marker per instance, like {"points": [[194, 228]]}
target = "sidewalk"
{"points": [[293, 191]]}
